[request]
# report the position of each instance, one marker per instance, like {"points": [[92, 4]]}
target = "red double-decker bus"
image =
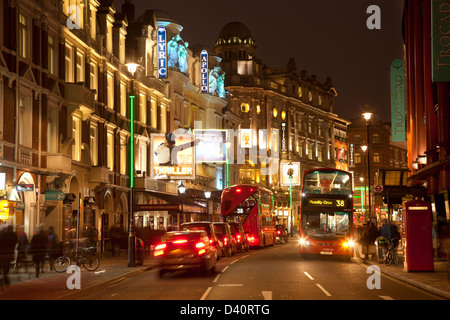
{"points": [[252, 206], [326, 212]]}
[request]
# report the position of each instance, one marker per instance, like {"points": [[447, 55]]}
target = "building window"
{"points": [[80, 67], [357, 139], [68, 63], [123, 99], [110, 90], [109, 36], [143, 107], [163, 118], [376, 157], [93, 144], [93, 21], [24, 46], [123, 155], [52, 56], [93, 78], [154, 113], [357, 158], [76, 135], [376, 138], [142, 157], [25, 121], [110, 149], [52, 129]]}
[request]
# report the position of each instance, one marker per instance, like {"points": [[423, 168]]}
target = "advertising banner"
{"points": [[210, 146], [440, 40], [172, 156], [285, 177], [398, 101]]}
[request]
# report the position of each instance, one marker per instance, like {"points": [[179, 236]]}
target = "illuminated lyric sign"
{"points": [[172, 156], [162, 55], [330, 203], [204, 70]]}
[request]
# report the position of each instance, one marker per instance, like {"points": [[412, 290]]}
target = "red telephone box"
{"points": [[418, 245]]}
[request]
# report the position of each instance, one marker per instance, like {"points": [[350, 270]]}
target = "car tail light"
{"points": [[278, 232], [181, 241], [239, 238], [201, 246], [251, 238], [159, 249], [225, 240]]}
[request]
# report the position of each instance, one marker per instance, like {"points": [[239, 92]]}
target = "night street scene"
{"points": [[225, 160]]}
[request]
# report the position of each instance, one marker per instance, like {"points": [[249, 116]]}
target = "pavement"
{"points": [[55, 286]]}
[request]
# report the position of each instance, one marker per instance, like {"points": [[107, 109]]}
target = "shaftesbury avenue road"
{"points": [[273, 273]]}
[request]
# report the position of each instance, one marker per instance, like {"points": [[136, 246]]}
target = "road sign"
{"points": [[378, 188]]}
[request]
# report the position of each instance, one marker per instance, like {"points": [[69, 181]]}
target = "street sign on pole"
{"points": [[378, 188]]}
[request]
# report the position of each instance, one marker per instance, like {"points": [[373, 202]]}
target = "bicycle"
{"points": [[391, 255], [84, 256]]}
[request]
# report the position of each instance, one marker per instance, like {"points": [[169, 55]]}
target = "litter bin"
{"points": [[139, 257], [381, 244]]}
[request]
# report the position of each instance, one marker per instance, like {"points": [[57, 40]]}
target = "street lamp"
{"points": [[367, 115], [181, 191], [132, 67], [290, 173], [208, 196]]}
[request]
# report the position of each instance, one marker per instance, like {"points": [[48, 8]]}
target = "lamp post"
{"points": [[290, 173], [367, 115], [181, 191], [132, 67], [208, 196]]}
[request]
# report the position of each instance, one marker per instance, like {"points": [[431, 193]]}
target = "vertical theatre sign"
{"points": [[162, 54], [204, 70], [398, 101], [440, 39]]}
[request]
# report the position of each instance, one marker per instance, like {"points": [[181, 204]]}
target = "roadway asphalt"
{"points": [[54, 286]]}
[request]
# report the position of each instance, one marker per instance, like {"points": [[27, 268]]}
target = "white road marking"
{"points": [[386, 298], [323, 289], [217, 277], [231, 285], [234, 261], [267, 295], [225, 269], [206, 293], [307, 274]]}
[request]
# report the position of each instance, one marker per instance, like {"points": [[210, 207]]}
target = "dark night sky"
{"points": [[325, 37]]}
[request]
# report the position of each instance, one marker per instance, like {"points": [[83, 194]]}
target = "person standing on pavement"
{"points": [[39, 249], [54, 250], [8, 241]]}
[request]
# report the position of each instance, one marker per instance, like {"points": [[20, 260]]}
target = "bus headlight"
{"points": [[349, 243], [304, 242]]}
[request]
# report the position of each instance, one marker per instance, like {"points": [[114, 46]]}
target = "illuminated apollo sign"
{"points": [[204, 70], [162, 56]]}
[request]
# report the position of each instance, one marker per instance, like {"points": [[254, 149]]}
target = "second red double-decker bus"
{"points": [[326, 212], [253, 207]]}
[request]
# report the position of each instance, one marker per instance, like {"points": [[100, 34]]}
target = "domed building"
{"points": [[288, 113]]}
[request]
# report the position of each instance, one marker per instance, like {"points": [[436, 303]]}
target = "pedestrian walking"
{"points": [[39, 249], [8, 241], [54, 249], [23, 245]]}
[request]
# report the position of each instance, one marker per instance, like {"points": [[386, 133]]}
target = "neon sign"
{"points": [[162, 56], [204, 70]]}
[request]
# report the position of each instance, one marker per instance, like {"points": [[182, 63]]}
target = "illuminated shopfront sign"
{"points": [[204, 71], [162, 54]]}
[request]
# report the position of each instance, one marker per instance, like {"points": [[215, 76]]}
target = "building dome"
{"points": [[235, 32]]}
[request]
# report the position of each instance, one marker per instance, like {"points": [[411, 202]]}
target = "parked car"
{"points": [[240, 237], [209, 228], [281, 234], [185, 250], [223, 233]]}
